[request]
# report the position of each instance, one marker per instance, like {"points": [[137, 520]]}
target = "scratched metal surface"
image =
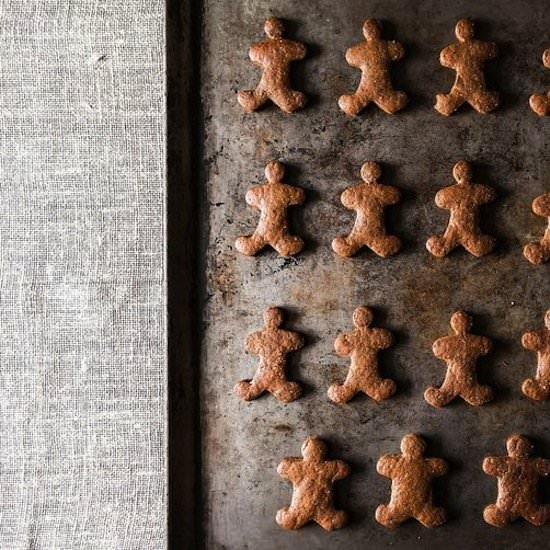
{"points": [[414, 294]]}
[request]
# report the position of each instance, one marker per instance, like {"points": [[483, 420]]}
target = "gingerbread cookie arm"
{"points": [[341, 470], [383, 338], [294, 341], [343, 346], [386, 465], [253, 343], [447, 57], [348, 198], [485, 194], [542, 465], [390, 195], [396, 50], [532, 340], [494, 465], [289, 468], [437, 467], [354, 56]]}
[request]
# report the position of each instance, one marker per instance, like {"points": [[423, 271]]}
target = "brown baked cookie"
{"points": [[411, 485], [541, 103], [467, 57], [272, 345], [272, 199], [539, 252], [518, 477], [368, 199], [361, 345], [274, 56], [538, 388], [373, 57], [312, 478], [463, 199], [460, 351]]}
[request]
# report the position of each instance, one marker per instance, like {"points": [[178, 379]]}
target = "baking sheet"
{"points": [[413, 293]]}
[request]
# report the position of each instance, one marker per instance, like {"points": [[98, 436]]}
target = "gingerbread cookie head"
{"points": [[274, 28], [411, 490], [273, 199], [518, 476], [271, 345], [371, 29], [370, 172], [312, 478], [467, 57], [274, 57], [461, 323], [462, 172]]}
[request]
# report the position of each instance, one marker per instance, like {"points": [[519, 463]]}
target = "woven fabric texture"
{"points": [[82, 294]]}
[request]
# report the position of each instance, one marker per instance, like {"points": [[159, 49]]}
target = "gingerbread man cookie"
{"points": [[361, 345], [312, 478], [538, 388], [463, 199], [272, 345], [274, 56], [518, 476], [467, 57], [539, 252], [272, 199], [368, 199], [373, 57], [541, 103], [411, 489], [460, 351]]}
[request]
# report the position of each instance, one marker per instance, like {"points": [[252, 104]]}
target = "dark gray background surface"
{"points": [[414, 294]]}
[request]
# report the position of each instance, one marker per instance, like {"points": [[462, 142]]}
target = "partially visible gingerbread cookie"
{"points": [[373, 57], [539, 252], [368, 199], [540, 103], [362, 345], [538, 388], [411, 488], [463, 199], [312, 478], [518, 476], [272, 199], [460, 351], [467, 58], [272, 345], [274, 56]]}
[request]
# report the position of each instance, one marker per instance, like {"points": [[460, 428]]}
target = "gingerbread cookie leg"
{"points": [[479, 245], [538, 253], [290, 518], [342, 393], [289, 100], [288, 245], [330, 519], [447, 104], [252, 100], [353, 104], [384, 245], [392, 101], [537, 515], [346, 245], [439, 397], [477, 395], [388, 517], [440, 246], [535, 390], [285, 391], [496, 517], [484, 102], [431, 516], [251, 244], [247, 390]]}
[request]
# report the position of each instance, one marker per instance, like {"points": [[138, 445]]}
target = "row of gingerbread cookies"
{"points": [[369, 198], [411, 474], [373, 57], [459, 351]]}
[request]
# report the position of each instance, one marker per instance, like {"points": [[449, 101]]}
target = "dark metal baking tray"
{"points": [[225, 452]]}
